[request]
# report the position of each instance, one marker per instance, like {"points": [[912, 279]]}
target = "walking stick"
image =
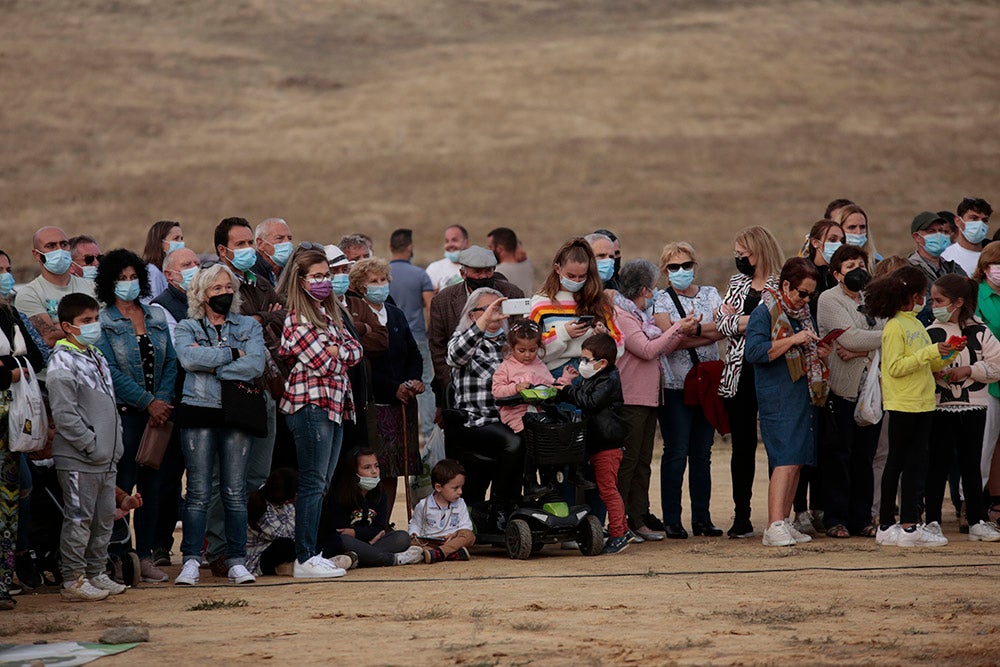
{"points": [[406, 465]]}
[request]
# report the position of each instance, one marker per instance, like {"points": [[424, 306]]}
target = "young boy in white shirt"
{"points": [[441, 523]]}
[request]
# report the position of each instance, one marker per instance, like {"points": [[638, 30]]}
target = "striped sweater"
{"points": [[553, 316]]}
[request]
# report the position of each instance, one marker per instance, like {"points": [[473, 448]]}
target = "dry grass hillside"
{"points": [[662, 120]]}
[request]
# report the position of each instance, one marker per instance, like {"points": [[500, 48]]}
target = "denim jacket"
{"points": [[207, 361], [119, 346]]}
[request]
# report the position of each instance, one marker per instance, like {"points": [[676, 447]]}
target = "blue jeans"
{"points": [[148, 481], [687, 442], [202, 446], [425, 401], [317, 446]]}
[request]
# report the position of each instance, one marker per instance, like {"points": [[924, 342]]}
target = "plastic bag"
{"points": [[420, 483], [868, 410], [28, 424]]}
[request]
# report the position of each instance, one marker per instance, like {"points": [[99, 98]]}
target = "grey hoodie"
{"points": [[88, 429]]}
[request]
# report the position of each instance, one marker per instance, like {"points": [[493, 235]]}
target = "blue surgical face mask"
{"points": [[187, 275], [452, 255], [89, 272], [936, 243], [89, 333], [244, 258], [681, 279], [572, 285], [493, 334], [377, 293], [606, 268], [829, 248], [855, 239], [174, 245], [975, 231], [282, 251], [127, 290], [58, 261], [6, 283], [341, 283]]}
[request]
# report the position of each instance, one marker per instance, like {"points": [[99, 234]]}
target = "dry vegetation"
{"points": [[660, 120]]}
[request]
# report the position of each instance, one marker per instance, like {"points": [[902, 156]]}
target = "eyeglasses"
{"points": [[477, 310], [682, 265], [306, 245], [92, 259], [805, 295], [318, 276]]}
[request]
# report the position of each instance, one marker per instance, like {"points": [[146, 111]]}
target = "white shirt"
{"points": [[443, 273], [430, 520], [967, 259]]}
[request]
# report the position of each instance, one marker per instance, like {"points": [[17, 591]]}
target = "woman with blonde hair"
{"points": [[396, 382], [317, 398], [758, 262], [213, 345], [854, 221]]}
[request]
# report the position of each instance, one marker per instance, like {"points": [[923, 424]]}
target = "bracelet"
{"points": [[697, 331]]}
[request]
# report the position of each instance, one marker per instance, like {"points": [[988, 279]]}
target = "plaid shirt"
{"points": [[317, 378], [473, 359]]}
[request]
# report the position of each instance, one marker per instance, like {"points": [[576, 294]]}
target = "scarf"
{"points": [[645, 319], [801, 359]]}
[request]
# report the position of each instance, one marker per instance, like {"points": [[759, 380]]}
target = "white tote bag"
{"points": [[28, 424], [868, 410]]}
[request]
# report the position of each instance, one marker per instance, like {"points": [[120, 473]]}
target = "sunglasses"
{"points": [[92, 259], [683, 265], [805, 295], [306, 245]]}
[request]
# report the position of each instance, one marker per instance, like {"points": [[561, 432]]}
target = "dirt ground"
{"points": [[694, 602]]}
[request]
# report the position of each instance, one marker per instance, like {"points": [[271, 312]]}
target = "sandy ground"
{"points": [[698, 601]]}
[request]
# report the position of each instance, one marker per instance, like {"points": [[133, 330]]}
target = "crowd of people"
{"points": [[291, 384]]}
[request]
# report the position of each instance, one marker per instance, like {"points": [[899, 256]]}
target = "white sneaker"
{"points": [[778, 535], [920, 537], [106, 583], [239, 574], [189, 573], [316, 567], [888, 537], [410, 556], [934, 528], [799, 537], [983, 532], [342, 562], [82, 590], [803, 524]]}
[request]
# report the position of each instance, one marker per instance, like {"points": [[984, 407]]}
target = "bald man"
{"points": [[40, 298]]}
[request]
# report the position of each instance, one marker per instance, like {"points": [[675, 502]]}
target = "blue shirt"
{"points": [[407, 289]]}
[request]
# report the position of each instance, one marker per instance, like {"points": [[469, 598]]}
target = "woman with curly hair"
{"points": [[135, 341]]}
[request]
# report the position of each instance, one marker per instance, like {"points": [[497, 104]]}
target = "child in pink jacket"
{"points": [[521, 369]]}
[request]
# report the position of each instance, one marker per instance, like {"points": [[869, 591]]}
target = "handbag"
{"points": [[701, 384], [244, 407], [28, 425], [868, 409], [153, 445]]}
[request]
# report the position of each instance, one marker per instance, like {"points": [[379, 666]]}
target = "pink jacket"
{"points": [[639, 366], [507, 376]]}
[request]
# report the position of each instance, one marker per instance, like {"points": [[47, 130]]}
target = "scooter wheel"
{"points": [[518, 539], [591, 536]]}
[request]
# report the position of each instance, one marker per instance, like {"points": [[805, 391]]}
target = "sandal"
{"points": [[840, 531], [868, 531]]}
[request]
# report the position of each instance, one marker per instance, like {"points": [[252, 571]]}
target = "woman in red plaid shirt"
{"points": [[317, 396]]}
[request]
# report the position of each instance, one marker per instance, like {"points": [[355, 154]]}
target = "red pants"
{"points": [[605, 465]]}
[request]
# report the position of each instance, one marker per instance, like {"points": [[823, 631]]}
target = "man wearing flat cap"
{"points": [[478, 266], [931, 235]]}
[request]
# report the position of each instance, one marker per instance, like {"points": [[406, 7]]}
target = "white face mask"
{"points": [[587, 368], [368, 483]]}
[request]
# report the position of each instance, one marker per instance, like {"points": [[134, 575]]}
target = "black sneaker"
{"points": [[615, 545], [653, 522], [27, 572], [161, 556], [742, 529]]}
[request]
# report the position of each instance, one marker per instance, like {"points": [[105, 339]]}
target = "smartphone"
{"points": [[585, 320], [832, 336], [430, 539], [516, 307]]}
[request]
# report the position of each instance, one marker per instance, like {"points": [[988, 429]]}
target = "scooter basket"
{"points": [[555, 443]]}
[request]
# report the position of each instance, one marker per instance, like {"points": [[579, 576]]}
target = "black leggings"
{"points": [[742, 409], [909, 437], [846, 452], [491, 453], [962, 431], [380, 554]]}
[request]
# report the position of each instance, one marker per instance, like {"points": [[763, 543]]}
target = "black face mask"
{"points": [[856, 279], [475, 283], [618, 266], [744, 266], [221, 303]]}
